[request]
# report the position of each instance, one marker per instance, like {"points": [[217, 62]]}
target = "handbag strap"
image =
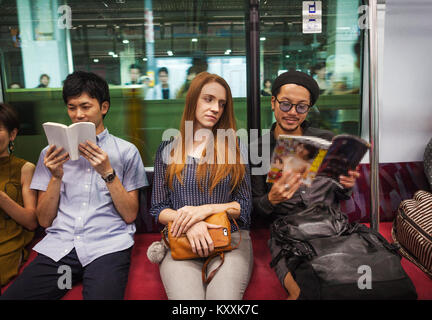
{"points": [[163, 233], [205, 279]]}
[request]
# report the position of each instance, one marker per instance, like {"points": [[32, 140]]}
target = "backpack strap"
{"points": [[366, 233], [283, 253], [300, 249]]}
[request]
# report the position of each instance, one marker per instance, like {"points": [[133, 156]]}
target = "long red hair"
{"points": [[218, 170]]}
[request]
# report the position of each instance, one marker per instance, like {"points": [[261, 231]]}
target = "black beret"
{"points": [[299, 78]]}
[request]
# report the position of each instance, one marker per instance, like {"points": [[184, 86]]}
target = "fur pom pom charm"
{"points": [[156, 251]]}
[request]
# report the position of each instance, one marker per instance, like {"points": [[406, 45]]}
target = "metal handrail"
{"points": [[253, 61], [373, 115]]}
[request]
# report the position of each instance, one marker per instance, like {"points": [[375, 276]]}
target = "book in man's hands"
{"points": [[69, 137], [313, 156]]}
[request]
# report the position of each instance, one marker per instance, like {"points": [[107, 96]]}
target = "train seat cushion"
{"points": [[144, 281]]}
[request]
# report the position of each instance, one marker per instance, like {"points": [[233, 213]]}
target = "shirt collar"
{"points": [[101, 137]]}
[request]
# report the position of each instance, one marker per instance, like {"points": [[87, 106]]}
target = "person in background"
{"points": [[14, 85], [135, 74], [17, 200], [162, 90], [189, 189], [87, 206], [44, 80], [319, 74], [266, 91], [191, 73]]}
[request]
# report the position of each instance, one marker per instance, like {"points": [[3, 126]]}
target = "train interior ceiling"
{"points": [[129, 42]]}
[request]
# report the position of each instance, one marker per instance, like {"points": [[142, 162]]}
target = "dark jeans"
{"points": [[104, 278]]}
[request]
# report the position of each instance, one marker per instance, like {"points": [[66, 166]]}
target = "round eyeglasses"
{"points": [[286, 106]]}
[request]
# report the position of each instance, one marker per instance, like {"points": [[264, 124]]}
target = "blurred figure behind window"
{"points": [[191, 73], [135, 74], [319, 73], [44, 80], [266, 91], [15, 85], [162, 90]]}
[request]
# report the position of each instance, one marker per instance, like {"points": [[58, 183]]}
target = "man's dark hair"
{"points": [[81, 82], [163, 69], [8, 117], [135, 66]]}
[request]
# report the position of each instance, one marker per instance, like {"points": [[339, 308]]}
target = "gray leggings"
{"points": [[182, 278]]}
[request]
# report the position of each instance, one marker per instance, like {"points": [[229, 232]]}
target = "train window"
{"points": [[148, 51], [323, 39]]}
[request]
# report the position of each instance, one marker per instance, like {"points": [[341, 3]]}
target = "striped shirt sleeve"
{"points": [[160, 199]]}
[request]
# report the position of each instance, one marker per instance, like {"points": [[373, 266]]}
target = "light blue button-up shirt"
{"points": [[86, 218]]}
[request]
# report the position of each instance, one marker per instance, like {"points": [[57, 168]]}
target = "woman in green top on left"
{"points": [[17, 200]]}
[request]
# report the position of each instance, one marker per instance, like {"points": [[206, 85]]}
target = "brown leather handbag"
{"points": [[181, 248]]}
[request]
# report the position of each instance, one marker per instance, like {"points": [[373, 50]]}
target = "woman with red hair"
{"points": [[200, 172]]}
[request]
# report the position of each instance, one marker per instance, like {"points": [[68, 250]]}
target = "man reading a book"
{"points": [[293, 95], [87, 206]]}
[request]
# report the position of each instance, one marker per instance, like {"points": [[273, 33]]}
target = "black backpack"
{"points": [[332, 259]]}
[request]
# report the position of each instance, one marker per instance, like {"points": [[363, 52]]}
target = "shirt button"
{"points": [[84, 204], [79, 218], [78, 237], [65, 250], [88, 170], [86, 186], [303, 192]]}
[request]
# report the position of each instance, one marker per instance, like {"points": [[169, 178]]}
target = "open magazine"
{"points": [[313, 156]]}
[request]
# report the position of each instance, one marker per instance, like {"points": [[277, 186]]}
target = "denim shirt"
{"points": [[87, 219]]}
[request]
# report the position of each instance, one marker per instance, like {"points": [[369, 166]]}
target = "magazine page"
{"points": [[301, 154], [344, 154]]}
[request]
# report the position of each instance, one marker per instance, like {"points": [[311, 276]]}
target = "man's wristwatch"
{"points": [[109, 177]]}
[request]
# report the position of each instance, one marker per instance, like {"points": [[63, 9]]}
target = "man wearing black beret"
{"points": [[294, 93]]}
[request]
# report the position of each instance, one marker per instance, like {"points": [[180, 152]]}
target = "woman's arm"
{"points": [[186, 217], [161, 206], [167, 215], [25, 215], [243, 195]]}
